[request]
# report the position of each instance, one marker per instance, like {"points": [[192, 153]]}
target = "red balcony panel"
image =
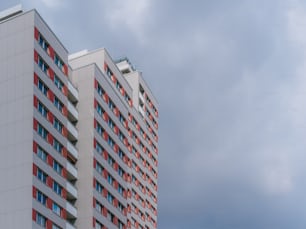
{"points": [[50, 139], [51, 52], [33, 215], [34, 191], [65, 111], [93, 222], [50, 160], [34, 170], [50, 117], [64, 173], [36, 33], [113, 78], [64, 152], [96, 83], [105, 66], [65, 90], [105, 192], [64, 213], [50, 73], [105, 155], [35, 101], [35, 79], [35, 147], [104, 211], [105, 97], [122, 91], [49, 224], [105, 136], [49, 203], [94, 182], [35, 56], [65, 69], [64, 193], [105, 173]]}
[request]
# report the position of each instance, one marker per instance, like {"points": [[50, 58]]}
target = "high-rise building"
{"points": [[78, 134]]}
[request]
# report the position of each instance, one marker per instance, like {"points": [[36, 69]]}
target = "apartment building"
{"points": [[78, 135]]}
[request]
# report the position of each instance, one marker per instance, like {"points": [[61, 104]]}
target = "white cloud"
{"points": [[53, 3], [132, 14]]}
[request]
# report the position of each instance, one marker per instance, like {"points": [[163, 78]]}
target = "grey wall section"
{"points": [[16, 121]]}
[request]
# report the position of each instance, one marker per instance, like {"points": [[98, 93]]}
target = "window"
{"points": [[57, 146], [57, 167], [42, 87], [42, 64], [98, 225], [99, 148], [56, 208], [99, 168], [58, 104], [100, 90], [120, 154], [121, 136], [120, 189], [98, 206], [57, 188], [111, 142], [110, 179], [57, 125], [59, 63], [41, 198], [110, 198], [121, 118], [120, 171], [41, 176], [42, 131], [111, 124], [41, 154], [111, 105], [99, 187], [43, 43], [58, 83], [99, 129], [42, 109], [41, 220], [100, 110]]}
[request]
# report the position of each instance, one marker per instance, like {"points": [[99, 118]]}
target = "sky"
{"points": [[230, 78]]}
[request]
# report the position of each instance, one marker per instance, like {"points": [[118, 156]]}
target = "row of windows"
{"points": [[110, 160], [112, 181], [100, 130], [50, 51], [43, 221], [110, 122], [43, 110], [48, 181], [148, 100], [50, 95], [48, 203], [42, 64], [44, 156], [106, 194], [42, 132], [119, 87], [110, 104], [109, 215]]}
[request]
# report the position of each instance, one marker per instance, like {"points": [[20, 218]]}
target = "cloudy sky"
{"points": [[230, 77]]}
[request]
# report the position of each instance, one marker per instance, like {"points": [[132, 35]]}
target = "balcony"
{"points": [[73, 114], [71, 210], [73, 94], [141, 97], [69, 226], [141, 111], [71, 191], [72, 132], [72, 150], [72, 171]]}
